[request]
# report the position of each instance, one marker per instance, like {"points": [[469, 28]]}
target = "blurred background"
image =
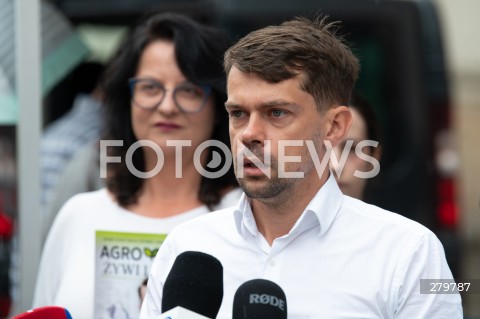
{"points": [[420, 70]]}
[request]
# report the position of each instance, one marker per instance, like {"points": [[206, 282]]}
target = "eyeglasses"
{"points": [[148, 94]]}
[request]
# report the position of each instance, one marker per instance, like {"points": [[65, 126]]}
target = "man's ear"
{"points": [[340, 120]]}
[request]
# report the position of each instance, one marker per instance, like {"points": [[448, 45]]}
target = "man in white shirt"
{"points": [[334, 256]]}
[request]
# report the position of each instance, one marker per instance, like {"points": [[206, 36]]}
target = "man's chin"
{"points": [[259, 189], [249, 190]]}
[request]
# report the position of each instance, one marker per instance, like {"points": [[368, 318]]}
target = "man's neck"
{"points": [[275, 217]]}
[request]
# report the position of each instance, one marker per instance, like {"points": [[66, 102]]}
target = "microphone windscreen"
{"points": [[259, 299], [49, 312], [195, 282]]}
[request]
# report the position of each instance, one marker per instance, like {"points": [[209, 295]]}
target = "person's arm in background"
{"points": [[52, 261], [81, 175]]}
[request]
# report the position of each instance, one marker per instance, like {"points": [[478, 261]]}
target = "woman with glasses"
{"points": [[164, 96]]}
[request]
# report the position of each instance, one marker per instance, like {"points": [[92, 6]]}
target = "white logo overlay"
{"points": [[217, 167]]}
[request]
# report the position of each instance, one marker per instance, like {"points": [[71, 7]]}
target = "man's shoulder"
{"points": [[378, 217], [213, 220], [216, 224], [209, 233]]}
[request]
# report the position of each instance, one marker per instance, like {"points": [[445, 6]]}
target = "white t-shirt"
{"points": [[342, 259], [66, 274]]}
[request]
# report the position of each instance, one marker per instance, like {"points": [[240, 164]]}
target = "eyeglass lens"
{"points": [[149, 94]]}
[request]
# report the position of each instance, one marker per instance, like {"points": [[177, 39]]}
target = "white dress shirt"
{"points": [[343, 258]]}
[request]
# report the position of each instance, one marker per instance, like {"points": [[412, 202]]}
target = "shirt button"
{"points": [[273, 262]]}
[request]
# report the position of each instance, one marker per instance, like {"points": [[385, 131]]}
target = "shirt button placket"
{"points": [[272, 268], [273, 261]]}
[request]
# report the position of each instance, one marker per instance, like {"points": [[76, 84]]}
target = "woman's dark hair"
{"points": [[199, 53]]}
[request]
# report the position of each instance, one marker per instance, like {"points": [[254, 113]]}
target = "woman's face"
{"points": [[348, 183], [167, 121]]}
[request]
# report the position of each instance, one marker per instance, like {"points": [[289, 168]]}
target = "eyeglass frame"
{"points": [[132, 81]]}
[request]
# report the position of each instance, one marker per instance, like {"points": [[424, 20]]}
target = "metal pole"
{"points": [[28, 64]]}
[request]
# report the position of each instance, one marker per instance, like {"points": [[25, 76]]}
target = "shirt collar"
{"points": [[326, 204], [321, 210], [244, 219]]}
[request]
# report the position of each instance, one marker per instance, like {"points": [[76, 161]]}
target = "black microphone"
{"points": [[195, 282], [259, 299]]}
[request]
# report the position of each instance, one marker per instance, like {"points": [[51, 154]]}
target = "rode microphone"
{"points": [[49, 312], [259, 299], [195, 283]]}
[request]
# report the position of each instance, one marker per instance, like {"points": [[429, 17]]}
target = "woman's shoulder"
{"points": [[87, 202], [93, 197], [80, 209]]}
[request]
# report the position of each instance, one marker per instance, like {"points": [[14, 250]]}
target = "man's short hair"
{"points": [[307, 47]]}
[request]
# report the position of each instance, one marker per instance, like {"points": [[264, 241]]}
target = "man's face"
{"points": [[260, 111]]}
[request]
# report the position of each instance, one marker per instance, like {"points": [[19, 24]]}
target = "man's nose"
{"points": [[254, 131]]}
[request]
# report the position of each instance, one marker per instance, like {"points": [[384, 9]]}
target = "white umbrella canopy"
{"points": [[62, 50]]}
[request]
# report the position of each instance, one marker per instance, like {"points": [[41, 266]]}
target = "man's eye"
{"points": [[278, 113], [236, 113]]}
